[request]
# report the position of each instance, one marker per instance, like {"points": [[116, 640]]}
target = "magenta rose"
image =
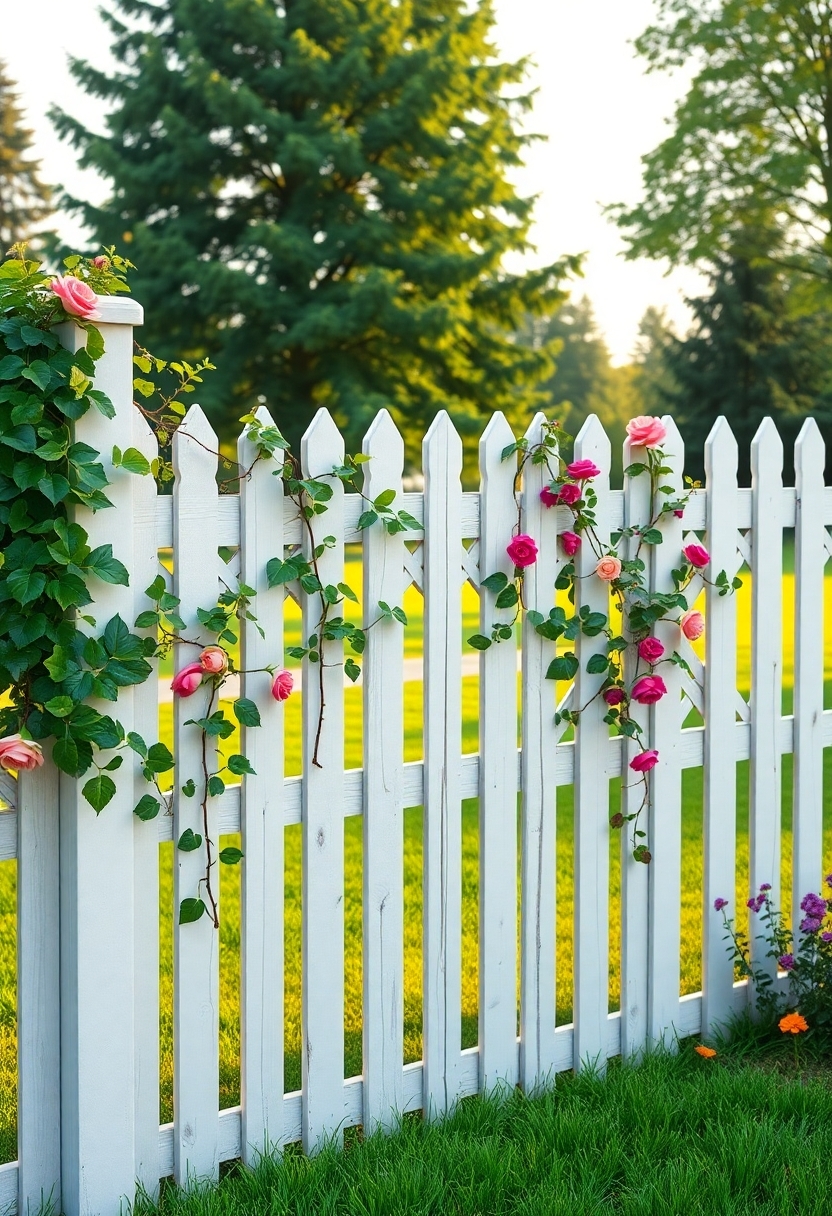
{"points": [[651, 650], [614, 695], [282, 685], [648, 690], [77, 298], [644, 761], [522, 551], [583, 470], [20, 755], [696, 555], [571, 543], [187, 680], [569, 493], [548, 497], [646, 432]]}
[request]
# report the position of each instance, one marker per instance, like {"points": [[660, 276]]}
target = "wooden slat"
{"points": [[766, 670], [383, 863], [592, 842], [497, 774], [322, 899], [665, 819], [720, 776], [634, 875], [261, 812], [539, 786], [145, 839], [442, 833], [195, 945], [809, 562]]}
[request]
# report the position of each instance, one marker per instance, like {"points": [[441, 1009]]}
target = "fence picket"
{"points": [[322, 897], [383, 866], [442, 840], [261, 810], [146, 839], [195, 945], [498, 773], [592, 843], [766, 669], [635, 877], [809, 562], [665, 782], [539, 792], [720, 776]]}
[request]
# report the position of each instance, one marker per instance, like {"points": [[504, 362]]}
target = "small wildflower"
{"points": [[755, 902], [765, 886], [828, 880], [810, 924], [826, 937], [793, 1023], [786, 961], [707, 1053], [814, 906], [720, 903]]}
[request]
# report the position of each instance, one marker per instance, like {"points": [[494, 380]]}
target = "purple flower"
{"points": [[765, 886], [755, 902], [826, 937], [719, 904], [810, 924], [828, 880], [786, 961], [813, 906]]}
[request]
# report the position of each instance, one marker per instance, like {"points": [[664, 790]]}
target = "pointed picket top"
{"points": [[592, 443], [264, 417], [534, 431], [203, 452], [766, 451], [322, 446], [721, 452], [809, 453], [443, 435], [674, 444], [385, 444]]}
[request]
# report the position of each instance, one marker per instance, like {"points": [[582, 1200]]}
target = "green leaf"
{"points": [[159, 759], [190, 910], [479, 641], [137, 743], [216, 786], [348, 592], [60, 707], [11, 366], [189, 788], [54, 487], [384, 499], [246, 712], [26, 585], [400, 616], [240, 764], [146, 387], [147, 807], [564, 667], [366, 519], [230, 856], [495, 582], [597, 664], [352, 670], [652, 536], [507, 598], [146, 620], [65, 755], [98, 791], [134, 462], [95, 343], [189, 840], [108, 568]]}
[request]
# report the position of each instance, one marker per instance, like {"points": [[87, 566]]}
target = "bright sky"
{"points": [[598, 109]]}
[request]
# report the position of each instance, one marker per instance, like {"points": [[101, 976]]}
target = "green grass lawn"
{"points": [[230, 929], [672, 1137]]}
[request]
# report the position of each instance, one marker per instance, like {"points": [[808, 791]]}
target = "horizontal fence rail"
{"points": [[461, 539]]}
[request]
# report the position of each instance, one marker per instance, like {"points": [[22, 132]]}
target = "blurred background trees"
{"points": [[24, 199]]}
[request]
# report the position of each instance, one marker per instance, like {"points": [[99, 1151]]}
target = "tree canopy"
{"points": [[317, 196], [24, 198], [751, 142]]}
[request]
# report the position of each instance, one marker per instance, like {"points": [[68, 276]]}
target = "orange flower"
{"points": [[793, 1023], [707, 1052]]}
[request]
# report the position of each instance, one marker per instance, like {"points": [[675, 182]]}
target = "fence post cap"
{"points": [[119, 310]]}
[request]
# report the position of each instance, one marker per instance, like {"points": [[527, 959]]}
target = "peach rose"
{"points": [[282, 685], [646, 432], [692, 624], [608, 568], [20, 754], [214, 660], [78, 299], [187, 681]]}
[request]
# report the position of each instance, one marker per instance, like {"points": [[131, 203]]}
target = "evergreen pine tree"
{"points": [[316, 195], [24, 199]]}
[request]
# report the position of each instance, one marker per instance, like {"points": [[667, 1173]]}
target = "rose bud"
{"points": [[697, 556], [583, 470], [614, 695], [282, 685], [549, 497], [187, 681], [650, 649], [100, 262], [644, 761], [571, 543]]}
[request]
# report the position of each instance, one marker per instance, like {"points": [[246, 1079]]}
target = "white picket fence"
{"points": [[88, 889]]}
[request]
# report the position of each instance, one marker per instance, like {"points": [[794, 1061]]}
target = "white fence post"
{"points": [[592, 785], [383, 862], [262, 508], [98, 1162], [498, 773]]}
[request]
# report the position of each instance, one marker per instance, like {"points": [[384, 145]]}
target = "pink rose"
{"points": [[646, 432], [696, 555], [188, 680], [583, 470], [522, 551], [101, 263], [78, 299], [692, 624], [608, 568], [644, 761], [282, 685], [571, 543], [651, 650], [20, 754], [679, 513], [569, 494], [648, 690], [548, 497], [614, 695], [214, 660]]}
